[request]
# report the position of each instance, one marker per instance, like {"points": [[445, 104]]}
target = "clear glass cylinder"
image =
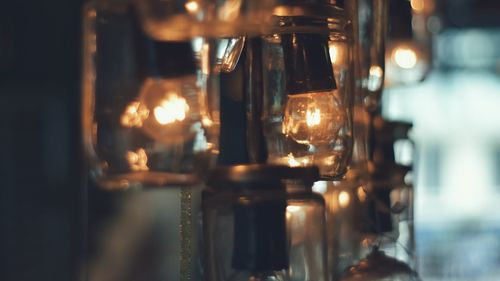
{"points": [[307, 90], [341, 242], [259, 227], [184, 19], [150, 109], [369, 21]]}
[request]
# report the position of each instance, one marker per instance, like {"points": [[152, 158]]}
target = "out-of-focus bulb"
{"points": [[192, 6], [171, 109], [175, 111], [406, 63], [344, 199], [405, 57], [313, 118]]}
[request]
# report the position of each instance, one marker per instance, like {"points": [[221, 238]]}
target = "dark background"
{"points": [[41, 207], [42, 194]]}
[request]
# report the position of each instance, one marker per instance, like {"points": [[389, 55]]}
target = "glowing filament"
{"points": [[134, 115], [138, 160], [405, 57], [171, 109], [313, 118]]}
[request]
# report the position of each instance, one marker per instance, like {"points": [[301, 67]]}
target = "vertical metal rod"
{"points": [[186, 234]]}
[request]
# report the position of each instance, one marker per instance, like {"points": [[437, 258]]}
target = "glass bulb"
{"points": [[168, 110], [313, 118], [406, 63]]}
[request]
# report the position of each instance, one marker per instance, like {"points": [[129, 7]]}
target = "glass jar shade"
{"points": [[369, 20], [307, 91], [150, 108], [182, 19], [255, 226]]}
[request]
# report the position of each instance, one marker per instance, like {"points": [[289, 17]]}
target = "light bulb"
{"points": [[405, 57], [406, 63], [313, 118], [344, 199], [175, 113]]}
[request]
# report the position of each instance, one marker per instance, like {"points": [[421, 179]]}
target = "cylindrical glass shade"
{"points": [[183, 19], [150, 108], [369, 19], [339, 196], [259, 227], [307, 91]]}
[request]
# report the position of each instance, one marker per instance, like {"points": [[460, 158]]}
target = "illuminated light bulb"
{"points": [[313, 118], [405, 57], [137, 160], [134, 115], [344, 199], [177, 114], [171, 109], [192, 6]]}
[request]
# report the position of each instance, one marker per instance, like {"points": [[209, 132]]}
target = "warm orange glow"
{"points": [[292, 209], [405, 57], [137, 160], [418, 5], [296, 162], [313, 118], [171, 109], [191, 6], [376, 71], [134, 115], [344, 199], [333, 54], [361, 194]]}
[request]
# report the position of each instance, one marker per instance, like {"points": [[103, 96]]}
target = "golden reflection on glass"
{"points": [[230, 10], [333, 53], [361, 194], [134, 115], [293, 161], [313, 118], [375, 78], [137, 160]]}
